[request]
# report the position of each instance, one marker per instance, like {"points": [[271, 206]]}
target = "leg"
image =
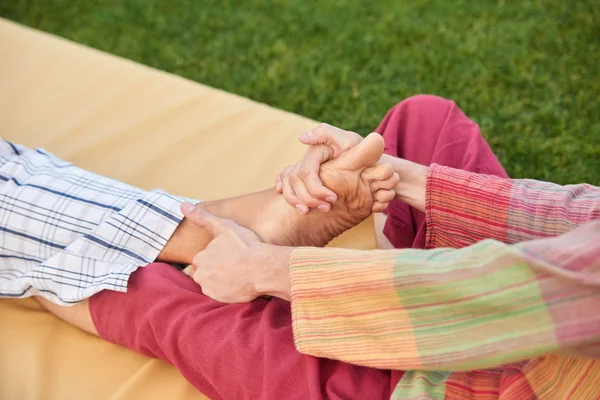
{"points": [[164, 314], [428, 129], [226, 351]]}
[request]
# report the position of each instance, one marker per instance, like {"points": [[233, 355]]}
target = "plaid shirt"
{"points": [[502, 305], [66, 233]]}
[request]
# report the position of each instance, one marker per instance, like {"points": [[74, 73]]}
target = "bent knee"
{"points": [[421, 117], [422, 108], [425, 104]]}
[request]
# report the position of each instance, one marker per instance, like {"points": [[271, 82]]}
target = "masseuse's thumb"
{"points": [[203, 219], [338, 139]]}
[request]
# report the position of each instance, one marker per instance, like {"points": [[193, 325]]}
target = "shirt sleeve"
{"points": [[487, 304], [478, 307], [66, 234], [463, 208]]}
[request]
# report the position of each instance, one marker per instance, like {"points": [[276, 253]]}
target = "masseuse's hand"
{"points": [[300, 183], [236, 267]]}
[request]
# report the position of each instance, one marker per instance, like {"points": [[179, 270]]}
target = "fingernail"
{"points": [[330, 199], [301, 208], [306, 135], [188, 207], [324, 207]]}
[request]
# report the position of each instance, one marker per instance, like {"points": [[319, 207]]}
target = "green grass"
{"points": [[526, 71]]}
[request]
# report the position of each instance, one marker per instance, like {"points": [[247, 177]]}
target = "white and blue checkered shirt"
{"points": [[66, 233]]}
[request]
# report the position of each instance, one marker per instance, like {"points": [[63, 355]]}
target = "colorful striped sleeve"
{"points": [[464, 208], [444, 309]]}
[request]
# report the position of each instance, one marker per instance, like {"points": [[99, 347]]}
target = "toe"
{"points": [[364, 155]]}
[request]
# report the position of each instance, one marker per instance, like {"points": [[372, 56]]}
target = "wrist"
{"points": [[273, 277], [413, 178], [187, 240]]}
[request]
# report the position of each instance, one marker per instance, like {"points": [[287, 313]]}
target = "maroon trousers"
{"points": [[246, 351]]}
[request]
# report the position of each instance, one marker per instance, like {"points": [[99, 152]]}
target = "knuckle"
{"points": [[351, 136], [323, 127], [390, 185], [197, 277], [388, 195], [303, 172], [227, 225], [286, 169], [196, 261], [387, 170]]}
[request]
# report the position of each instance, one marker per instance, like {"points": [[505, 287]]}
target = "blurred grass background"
{"points": [[526, 71]]}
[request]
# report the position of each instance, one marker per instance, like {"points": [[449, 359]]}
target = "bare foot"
{"points": [[350, 177], [275, 221]]}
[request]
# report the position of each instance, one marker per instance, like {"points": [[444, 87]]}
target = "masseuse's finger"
{"points": [[278, 184], [203, 219], [290, 195], [309, 173], [303, 194], [316, 188], [379, 207], [338, 139], [384, 196], [378, 172], [389, 183]]}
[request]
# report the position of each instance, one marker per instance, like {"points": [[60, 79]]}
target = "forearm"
{"points": [[485, 305]]}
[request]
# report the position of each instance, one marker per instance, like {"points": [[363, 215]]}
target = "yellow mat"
{"points": [[150, 129]]}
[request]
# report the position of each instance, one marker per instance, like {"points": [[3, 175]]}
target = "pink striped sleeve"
{"points": [[486, 304], [444, 309], [464, 207]]}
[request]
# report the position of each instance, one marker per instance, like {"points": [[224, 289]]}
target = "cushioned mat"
{"points": [[150, 129]]}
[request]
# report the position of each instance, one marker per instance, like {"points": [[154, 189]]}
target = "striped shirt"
{"points": [[66, 233], [503, 305]]}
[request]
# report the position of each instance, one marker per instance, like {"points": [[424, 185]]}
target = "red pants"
{"points": [[246, 351]]}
